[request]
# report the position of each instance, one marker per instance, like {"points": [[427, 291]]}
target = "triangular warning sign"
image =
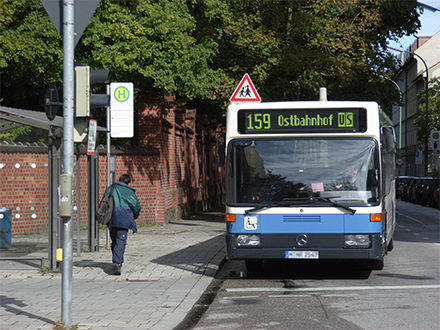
{"points": [[245, 91]]}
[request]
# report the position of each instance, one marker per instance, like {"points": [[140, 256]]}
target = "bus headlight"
{"points": [[357, 241], [248, 241]]}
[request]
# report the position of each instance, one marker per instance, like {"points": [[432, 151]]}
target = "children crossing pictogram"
{"points": [[245, 91]]}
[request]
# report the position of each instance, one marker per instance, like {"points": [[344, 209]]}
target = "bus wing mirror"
{"points": [[389, 139]]}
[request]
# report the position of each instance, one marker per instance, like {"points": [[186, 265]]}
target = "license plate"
{"points": [[302, 254]]}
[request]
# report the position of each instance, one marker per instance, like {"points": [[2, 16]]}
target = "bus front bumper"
{"points": [[317, 246]]}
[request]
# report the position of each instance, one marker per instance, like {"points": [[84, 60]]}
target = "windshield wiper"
{"points": [[263, 207], [294, 201], [284, 203], [328, 200]]}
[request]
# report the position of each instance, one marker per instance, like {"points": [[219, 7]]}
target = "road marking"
{"points": [[309, 295], [288, 295], [242, 297], [344, 288], [430, 227]]}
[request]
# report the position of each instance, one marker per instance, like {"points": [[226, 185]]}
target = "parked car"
{"points": [[428, 192], [411, 190], [417, 189], [436, 198], [405, 188], [400, 181]]}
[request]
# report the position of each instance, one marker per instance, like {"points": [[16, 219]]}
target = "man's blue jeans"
{"points": [[119, 239]]}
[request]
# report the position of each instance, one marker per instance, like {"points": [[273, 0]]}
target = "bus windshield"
{"points": [[311, 171]]}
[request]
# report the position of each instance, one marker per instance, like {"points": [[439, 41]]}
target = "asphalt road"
{"points": [[340, 295]]}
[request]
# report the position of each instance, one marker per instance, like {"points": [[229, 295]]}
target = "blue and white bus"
{"points": [[309, 180]]}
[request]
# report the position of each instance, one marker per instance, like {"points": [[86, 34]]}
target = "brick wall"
{"points": [[188, 179], [24, 188]]}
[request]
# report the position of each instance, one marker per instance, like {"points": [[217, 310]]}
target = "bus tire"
{"points": [[390, 246], [375, 264], [254, 265]]}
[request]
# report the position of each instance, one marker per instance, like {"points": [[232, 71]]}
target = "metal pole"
{"points": [[400, 117], [426, 124], [400, 134], [68, 113], [426, 117], [78, 201], [109, 180]]}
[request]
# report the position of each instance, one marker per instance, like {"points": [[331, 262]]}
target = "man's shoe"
{"points": [[116, 269]]}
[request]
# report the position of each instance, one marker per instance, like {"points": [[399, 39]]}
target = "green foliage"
{"points": [[44, 270], [13, 134], [433, 110], [150, 43], [24, 134], [30, 53], [30, 60], [59, 325], [336, 44]]}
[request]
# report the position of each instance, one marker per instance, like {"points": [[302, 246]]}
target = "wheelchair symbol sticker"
{"points": [[250, 223]]}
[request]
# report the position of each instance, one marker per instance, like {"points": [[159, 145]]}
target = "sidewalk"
{"points": [[166, 270]]}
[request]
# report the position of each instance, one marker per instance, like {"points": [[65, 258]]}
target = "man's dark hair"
{"points": [[125, 178]]}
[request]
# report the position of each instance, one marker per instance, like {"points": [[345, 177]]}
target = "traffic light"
{"points": [[85, 100]]}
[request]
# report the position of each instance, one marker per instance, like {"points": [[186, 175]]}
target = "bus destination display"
{"points": [[262, 121]]}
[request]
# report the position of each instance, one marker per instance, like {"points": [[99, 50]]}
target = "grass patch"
{"points": [[60, 326], [148, 224], [45, 270]]}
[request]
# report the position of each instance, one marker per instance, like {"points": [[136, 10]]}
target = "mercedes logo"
{"points": [[302, 239]]}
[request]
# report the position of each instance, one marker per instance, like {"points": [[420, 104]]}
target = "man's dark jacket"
{"points": [[127, 207]]}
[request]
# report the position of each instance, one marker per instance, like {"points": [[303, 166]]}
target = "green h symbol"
{"points": [[121, 94]]}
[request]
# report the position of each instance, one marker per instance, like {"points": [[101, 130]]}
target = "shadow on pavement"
{"points": [[311, 270], [105, 266], [194, 258], [8, 305]]}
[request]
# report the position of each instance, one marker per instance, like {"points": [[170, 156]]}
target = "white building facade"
{"points": [[412, 80]]}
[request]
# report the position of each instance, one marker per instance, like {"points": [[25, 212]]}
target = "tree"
{"points": [[150, 43], [337, 44], [30, 61], [292, 48], [433, 110], [31, 54]]}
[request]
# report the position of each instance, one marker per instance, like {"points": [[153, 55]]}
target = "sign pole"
{"points": [[109, 179], [66, 27], [68, 113]]}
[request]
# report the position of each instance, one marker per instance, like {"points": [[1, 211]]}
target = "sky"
{"points": [[430, 25]]}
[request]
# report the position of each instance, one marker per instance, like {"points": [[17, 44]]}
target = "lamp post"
{"points": [[400, 117], [426, 90]]}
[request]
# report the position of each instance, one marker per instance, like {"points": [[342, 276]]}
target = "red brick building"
{"points": [[173, 170]]}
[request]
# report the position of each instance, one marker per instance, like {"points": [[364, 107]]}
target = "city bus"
{"points": [[309, 180]]}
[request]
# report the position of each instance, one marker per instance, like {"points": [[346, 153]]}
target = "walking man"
{"points": [[126, 209]]}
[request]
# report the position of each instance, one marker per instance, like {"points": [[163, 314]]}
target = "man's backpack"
{"points": [[104, 212]]}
